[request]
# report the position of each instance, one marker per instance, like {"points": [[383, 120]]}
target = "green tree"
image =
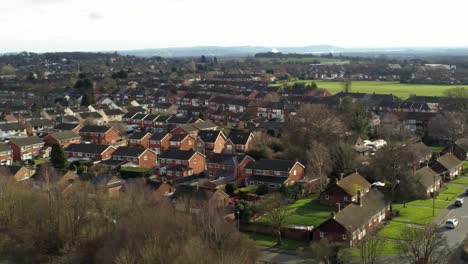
{"points": [[244, 210], [58, 157], [230, 188], [262, 152]]}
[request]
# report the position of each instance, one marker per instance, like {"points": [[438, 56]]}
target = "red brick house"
{"points": [[221, 165], [345, 190], [181, 163], [182, 142], [26, 148], [209, 141], [141, 157], [238, 142], [93, 152], [136, 120], [63, 139], [100, 134], [139, 139], [350, 224], [159, 142], [149, 120], [273, 173], [448, 166], [185, 129], [6, 154], [190, 198]]}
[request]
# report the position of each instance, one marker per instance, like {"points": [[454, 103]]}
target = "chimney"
{"points": [[341, 176], [333, 215], [359, 194], [338, 207]]}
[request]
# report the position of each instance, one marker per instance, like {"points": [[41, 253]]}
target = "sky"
{"points": [[108, 25]]}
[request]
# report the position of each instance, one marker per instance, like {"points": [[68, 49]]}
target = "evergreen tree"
{"points": [[57, 156]]}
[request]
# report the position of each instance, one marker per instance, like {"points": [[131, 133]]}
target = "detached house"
{"points": [[100, 134], [26, 148], [139, 156], [6, 154], [63, 139], [345, 190], [274, 173], [350, 224], [93, 152], [139, 139], [209, 141], [238, 142], [447, 166], [181, 163]]}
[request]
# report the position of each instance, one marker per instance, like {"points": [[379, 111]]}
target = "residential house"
{"points": [[19, 173], [447, 166], [209, 141], [26, 148], [6, 154], [113, 115], [93, 152], [159, 142], [141, 157], [68, 127], [12, 130], [39, 126], [161, 188], [99, 134], [182, 142], [345, 190], [238, 142], [459, 149], [181, 163], [429, 181], [193, 198], [139, 139], [63, 139], [352, 223], [274, 173], [220, 165]]}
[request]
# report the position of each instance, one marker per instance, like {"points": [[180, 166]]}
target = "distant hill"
{"points": [[243, 51]]}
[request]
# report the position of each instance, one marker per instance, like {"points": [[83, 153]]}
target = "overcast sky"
{"points": [[71, 25]]}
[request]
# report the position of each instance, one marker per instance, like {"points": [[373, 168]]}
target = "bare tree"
{"points": [[427, 243], [459, 96], [370, 249], [319, 163], [276, 212], [448, 126], [321, 252]]}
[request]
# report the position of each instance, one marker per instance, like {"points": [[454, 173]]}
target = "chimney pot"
{"points": [[333, 215], [338, 207], [341, 176]]}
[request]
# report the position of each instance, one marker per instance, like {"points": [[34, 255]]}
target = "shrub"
{"points": [[261, 190]]}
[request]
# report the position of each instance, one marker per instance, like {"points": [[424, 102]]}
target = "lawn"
{"points": [[446, 197], [461, 180], [436, 149], [135, 169], [306, 212], [414, 215], [270, 241], [248, 189], [441, 204], [38, 162], [380, 87], [394, 230], [390, 248], [451, 189], [465, 165]]}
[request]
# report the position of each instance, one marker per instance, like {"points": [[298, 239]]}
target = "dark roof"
{"points": [[352, 183], [128, 151], [178, 137], [177, 154], [162, 118], [66, 126], [139, 116], [275, 165], [135, 109], [239, 138], [27, 141], [138, 135], [64, 135], [129, 115], [354, 216], [209, 136], [449, 161], [205, 125], [426, 176], [87, 148], [41, 122], [158, 136], [11, 126], [226, 159], [95, 115], [162, 105], [150, 117], [94, 129], [4, 147], [111, 112]]}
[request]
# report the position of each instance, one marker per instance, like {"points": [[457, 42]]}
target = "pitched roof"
{"points": [[426, 176], [354, 216], [111, 112], [226, 159], [95, 129], [159, 136], [66, 126], [128, 151], [95, 115], [138, 135], [199, 193], [268, 179], [178, 137], [273, 164], [87, 148], [27, 141], [67, 134], [209, 136], [11, 126], [352, 183], [177, 154], [449, 161], [4, 147], [239, 138], [205, 125]]}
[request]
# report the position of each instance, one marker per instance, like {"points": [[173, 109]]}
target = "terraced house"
{"points": [[274, 173], [92, 152], [26, 148], [139, 139], [137, 155], [181, 163], [63, 139], [99, 134], [159, 142]]}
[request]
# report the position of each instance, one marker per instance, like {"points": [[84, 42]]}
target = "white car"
{"points": [[451, 223]]}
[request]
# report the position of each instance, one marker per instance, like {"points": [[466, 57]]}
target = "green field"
{"points": [[461, 180], [270, 241], [381, 87], [390, 248]]}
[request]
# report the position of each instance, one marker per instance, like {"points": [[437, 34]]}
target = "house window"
{"points": [[344, 236], [322, 234], [194, 161], [327, 197], [145, 158], [294, 172]]}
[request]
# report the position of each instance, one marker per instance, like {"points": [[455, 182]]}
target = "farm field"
{"points": [[381, 87]]}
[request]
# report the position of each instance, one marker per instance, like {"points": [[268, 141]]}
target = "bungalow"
{"points": [[429, 181], [350, 224], [345, 190], [159, 142], [238, 142], [26, 148], [6, 154], [93, 152], [182, 142], [221, 165], [209, 141], [193, 198], [64, 139], [181, 163], [99, 134], [139, 139], [447, 166], [273, 173], [140, 156]]}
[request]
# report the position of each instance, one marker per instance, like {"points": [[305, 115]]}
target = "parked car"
{"points": [[459, 202], [466, 191], [451, 223]]}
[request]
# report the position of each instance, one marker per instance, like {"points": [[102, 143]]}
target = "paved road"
{"points": [[275, 255]]}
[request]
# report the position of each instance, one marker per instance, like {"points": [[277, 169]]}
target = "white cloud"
{"points": [[95, 15]]}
